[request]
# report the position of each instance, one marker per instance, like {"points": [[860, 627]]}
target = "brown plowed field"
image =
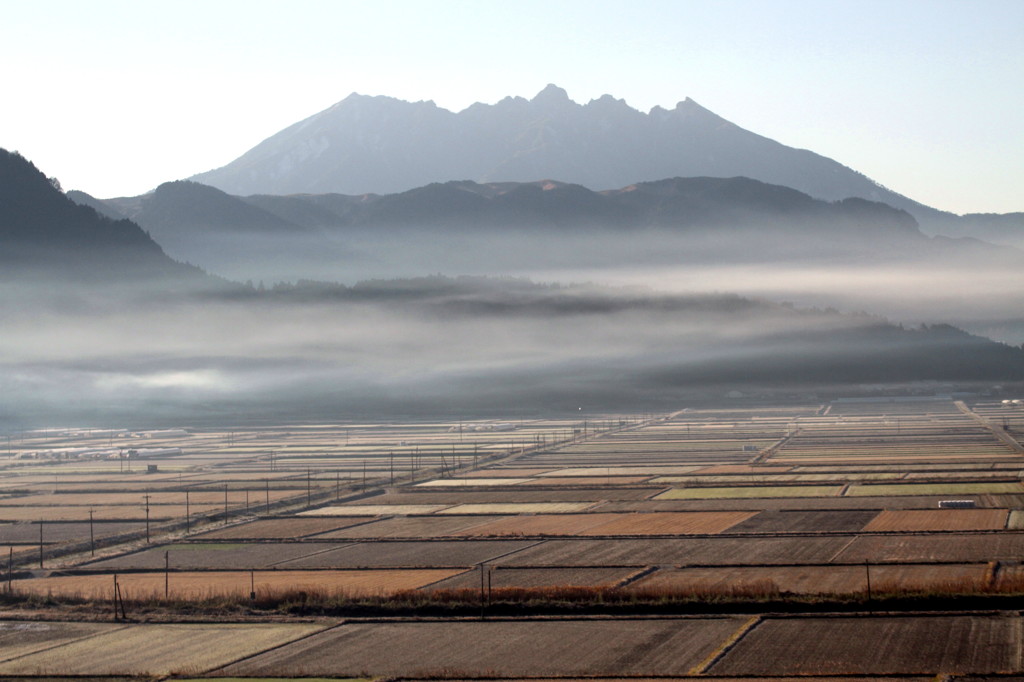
{"points": [[741, 469], [65, 532], [282, 529], [540, 524], [513, 647], [693, 551], [412, 527], [950, 547], [910, 520], [413, 554], [503, 471], [127, 512], [669, 523], [867, 645], [805, 521], [156, 499], [539, 577], [216, 555], [206, 584], [809, 579]]}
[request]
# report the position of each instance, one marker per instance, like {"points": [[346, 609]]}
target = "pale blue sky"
{"points": [[925, 97]]}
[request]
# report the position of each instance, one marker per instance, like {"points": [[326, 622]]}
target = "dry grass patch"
{"points": [[215, 584], [157, 649], [519, 508]]}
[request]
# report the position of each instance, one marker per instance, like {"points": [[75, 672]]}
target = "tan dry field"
{"points": [[520, 647], [606, 471], [19, 638], [907, 520], [810, 579], [597, 479], [519, 508], [213, 584], [157, 649]]}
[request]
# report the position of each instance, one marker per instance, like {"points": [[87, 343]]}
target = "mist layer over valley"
{"points": [[684, 235], [488, 296]]}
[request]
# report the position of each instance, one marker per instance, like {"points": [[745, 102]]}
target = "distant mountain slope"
{"points": [[385, 145], [464, 226], [43, 232]]}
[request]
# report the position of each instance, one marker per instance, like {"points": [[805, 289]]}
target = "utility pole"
{"points": [[146, 496]]}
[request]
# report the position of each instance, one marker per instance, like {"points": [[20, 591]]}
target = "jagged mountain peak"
{"points": [[382, 145], [552, 95]]}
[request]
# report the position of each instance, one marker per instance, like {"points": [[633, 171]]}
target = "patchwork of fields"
{"points": [[818, 501]]}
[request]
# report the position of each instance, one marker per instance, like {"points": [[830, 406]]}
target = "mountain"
{"points": [[44, 233], [1006, 229], [384, 145], [325, 236]]}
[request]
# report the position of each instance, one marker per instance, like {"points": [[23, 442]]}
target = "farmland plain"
{"points": [[639, 520]]}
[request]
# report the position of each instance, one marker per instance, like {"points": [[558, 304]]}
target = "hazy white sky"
{"points": [[923, 96]]}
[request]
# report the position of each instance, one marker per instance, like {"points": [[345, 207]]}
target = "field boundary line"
{"points": [[511, 552], [1020, 642], [57, 646], [725, 647], [832, 559], [1002, 436], [311, 554], [276, 646], [637, 575]]}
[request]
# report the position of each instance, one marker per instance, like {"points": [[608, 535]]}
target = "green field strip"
{"points": [[899, 489], [748, 492]]}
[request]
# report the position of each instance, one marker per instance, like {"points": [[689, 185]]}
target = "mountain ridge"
{"points": [[43, 231], [378, 144]]}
